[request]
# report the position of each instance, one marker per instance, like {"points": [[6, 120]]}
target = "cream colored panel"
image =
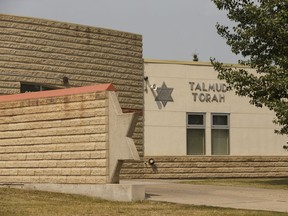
{"points": [[165, 119], [248, 141], [164, 141], [167, 71], [251, 120]]}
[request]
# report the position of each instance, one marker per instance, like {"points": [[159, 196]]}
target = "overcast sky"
{"points": [[171, 29]]}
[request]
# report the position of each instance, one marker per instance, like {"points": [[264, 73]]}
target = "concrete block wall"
{"points": [[42, 52], [208, 167], [57, 137]]}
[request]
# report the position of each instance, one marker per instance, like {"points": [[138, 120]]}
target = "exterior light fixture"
{"points": [[151, 161], [154, 87]]}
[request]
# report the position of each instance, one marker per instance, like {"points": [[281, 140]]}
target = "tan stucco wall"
{"points": [[43, 52], [251, 128]]}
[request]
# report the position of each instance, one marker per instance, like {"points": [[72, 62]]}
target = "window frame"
{"points": [[220, 127], [196, 127]]}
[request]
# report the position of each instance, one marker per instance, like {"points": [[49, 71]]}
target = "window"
{"points": [[33, 88], [195, 134], [220, 134]]}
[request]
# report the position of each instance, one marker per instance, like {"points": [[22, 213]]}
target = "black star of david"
{"points": [[164, 94]]}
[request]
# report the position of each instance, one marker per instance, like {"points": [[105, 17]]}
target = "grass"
{"points": [[268, 183], [14, 202]]}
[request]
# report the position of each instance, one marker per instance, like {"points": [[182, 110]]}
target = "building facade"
{"points": [[189, 125], [188, 111], [38, 54], [195, 128]]}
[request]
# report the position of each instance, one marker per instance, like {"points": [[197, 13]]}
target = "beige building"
{"points": [[188, 111], [195, 128]]}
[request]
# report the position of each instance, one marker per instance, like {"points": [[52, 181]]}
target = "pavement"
{"points": [[211, 195]]}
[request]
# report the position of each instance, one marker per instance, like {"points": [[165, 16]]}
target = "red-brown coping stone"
{"points": [[58, 92]]}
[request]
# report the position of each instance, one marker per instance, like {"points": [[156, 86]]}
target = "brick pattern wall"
{"points": [[208, 167], [43, 52], [55, 140]]}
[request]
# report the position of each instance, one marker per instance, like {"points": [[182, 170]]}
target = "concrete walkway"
{"points": [[221, 196]]}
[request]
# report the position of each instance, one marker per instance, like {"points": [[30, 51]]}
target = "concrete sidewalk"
{"points": [[220, 196]]}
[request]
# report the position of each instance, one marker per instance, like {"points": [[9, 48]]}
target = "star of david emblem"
{"points": [[164, 94]]}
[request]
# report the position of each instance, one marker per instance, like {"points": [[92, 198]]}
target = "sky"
{"points": [[171, 29]]}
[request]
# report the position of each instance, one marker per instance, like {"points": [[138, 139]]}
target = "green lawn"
{"points": [[16, 202], [268, 183]]}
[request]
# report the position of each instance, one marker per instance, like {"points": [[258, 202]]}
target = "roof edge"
{"points": [[57, 93], [192, 63], [33, 19]]}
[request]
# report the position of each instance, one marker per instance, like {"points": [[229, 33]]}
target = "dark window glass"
{"points": [[33, 88], [29, 88], [195, 119], [220, 120], [45, 88]]}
